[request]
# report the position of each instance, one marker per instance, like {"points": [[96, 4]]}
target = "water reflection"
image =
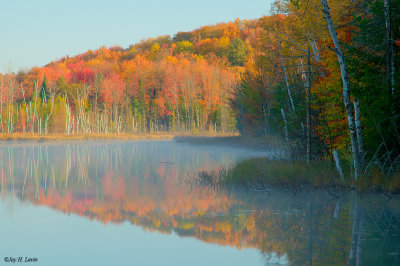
{"points": [[143, 183]]}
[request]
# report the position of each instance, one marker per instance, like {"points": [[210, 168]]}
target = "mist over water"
{"points": [[129, 203]]}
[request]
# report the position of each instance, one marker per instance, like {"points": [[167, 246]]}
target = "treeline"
{"points": [[284, 74], [180, 83], [324, 76]]}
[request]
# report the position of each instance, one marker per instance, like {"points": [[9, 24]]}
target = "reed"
{"points": [[285, 173], [259, 173], [122, 136], [88, 136]]}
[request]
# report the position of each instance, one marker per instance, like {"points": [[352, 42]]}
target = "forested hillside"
{"points": [[276, 75], [179, 83]]}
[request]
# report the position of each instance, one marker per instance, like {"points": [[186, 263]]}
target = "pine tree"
{"points": [[44, 93], [237, 52]]}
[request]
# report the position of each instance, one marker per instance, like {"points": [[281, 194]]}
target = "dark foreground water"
{"points": [[131, 203]]}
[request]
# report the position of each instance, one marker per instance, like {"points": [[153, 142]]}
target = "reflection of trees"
{"points": [[116, 183], [357, 235]]}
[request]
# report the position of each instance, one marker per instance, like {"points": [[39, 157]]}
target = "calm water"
{"points": [[131, 203]]}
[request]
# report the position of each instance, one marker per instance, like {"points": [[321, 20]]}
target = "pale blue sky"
{"points": [[34, 32]]}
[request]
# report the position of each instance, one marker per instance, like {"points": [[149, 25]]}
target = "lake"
{"points": [[132, 203]]}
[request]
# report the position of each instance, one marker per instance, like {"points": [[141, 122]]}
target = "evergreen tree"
{"points": [[237, 52], [44, 93], [252, 102], [368, 71]]}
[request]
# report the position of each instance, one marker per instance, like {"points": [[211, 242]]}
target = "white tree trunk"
{"points": [[338, 164], [314, 46], [357, 116], [346, 90], [26, 107], [35, 85], [287, 82], [286, 128], [389, 46], [49, 116], [308, 96], [337, 208]]}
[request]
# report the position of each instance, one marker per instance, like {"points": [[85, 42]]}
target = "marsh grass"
{"points": [[284, 173], [208, 136], [264, 172], [376, 180], [91, 136]]}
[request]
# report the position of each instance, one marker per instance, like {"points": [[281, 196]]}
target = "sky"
{"points": [[36, 32]]}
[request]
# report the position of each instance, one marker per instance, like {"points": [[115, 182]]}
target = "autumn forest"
{"points": [[323, 78], [271, 140]]}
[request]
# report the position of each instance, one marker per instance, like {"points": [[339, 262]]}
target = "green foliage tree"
{"points": [[237, 53], [251, 103], [44, 92], [184, 46], [368, 71]]}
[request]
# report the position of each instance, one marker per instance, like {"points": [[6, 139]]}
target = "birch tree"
{"points": [[346, 90], [287, 82], [308, 96]]}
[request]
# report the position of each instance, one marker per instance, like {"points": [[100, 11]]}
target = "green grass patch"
{"points": [[283, 173], [376, 180], [264, 172]]}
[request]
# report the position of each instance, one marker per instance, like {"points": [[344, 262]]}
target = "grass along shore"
{"points": [[261, 173], [122, 136], [92, 136], [253, 172]]}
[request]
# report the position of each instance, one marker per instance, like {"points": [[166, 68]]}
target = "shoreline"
{"points": [[262, 174], [95, 136], [335, 192], [267, 144], [257, 174]]}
